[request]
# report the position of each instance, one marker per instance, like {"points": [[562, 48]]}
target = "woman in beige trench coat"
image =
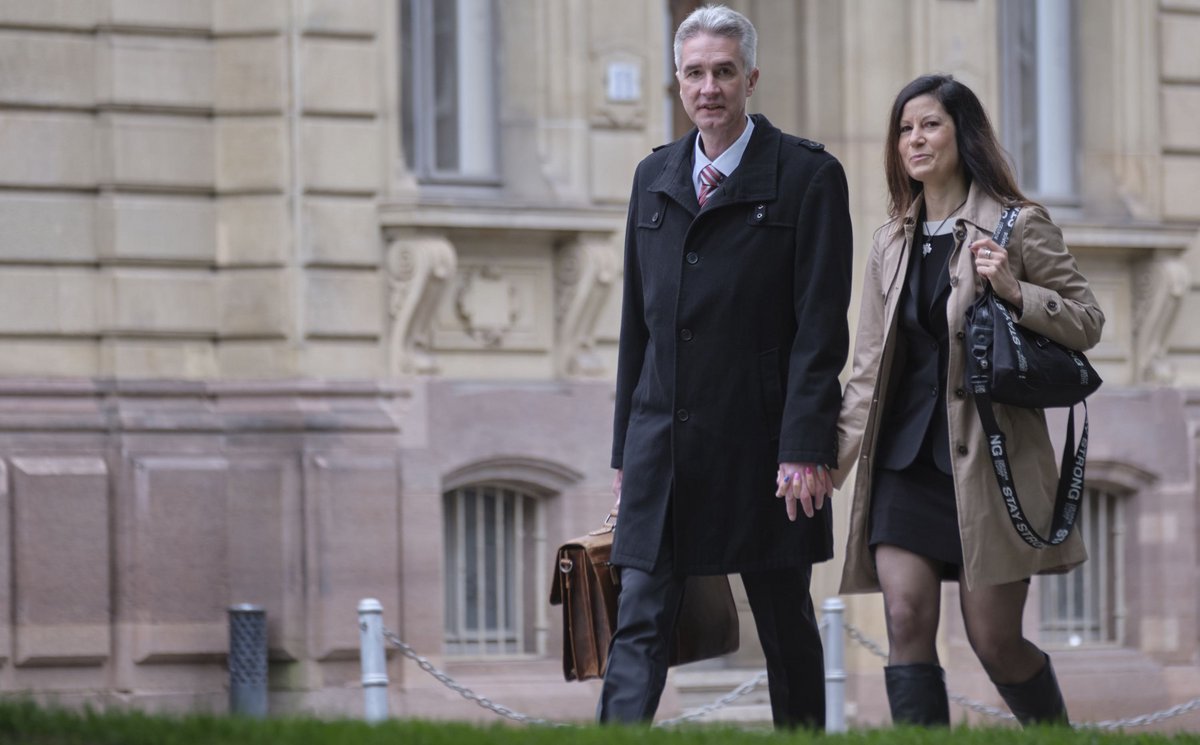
{"points": [[926, 505]]}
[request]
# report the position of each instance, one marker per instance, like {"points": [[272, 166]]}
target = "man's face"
{"points": [[713, 83]]}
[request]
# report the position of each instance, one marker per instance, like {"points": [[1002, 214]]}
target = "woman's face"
{"points": [[928, 147]]}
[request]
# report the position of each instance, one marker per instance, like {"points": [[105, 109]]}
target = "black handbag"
{"points": [[1010, 364]]}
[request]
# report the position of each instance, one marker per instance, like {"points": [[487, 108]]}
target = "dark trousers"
{"points": [[787, 629]]}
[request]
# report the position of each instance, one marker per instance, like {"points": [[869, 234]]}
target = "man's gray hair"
{"points": [[718, 20]]}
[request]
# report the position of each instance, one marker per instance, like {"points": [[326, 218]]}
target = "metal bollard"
{"points": [[374, 661], [835, 665], [248, 660]]}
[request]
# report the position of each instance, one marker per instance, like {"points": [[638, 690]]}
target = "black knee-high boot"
{"points": [[1038, 700], [917, 694]]}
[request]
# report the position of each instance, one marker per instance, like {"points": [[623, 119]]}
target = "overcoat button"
{"points": [[933, 345], [933, 391], [654, 218], [692, 257], [962, 449], [685, 334], [683, 415]]}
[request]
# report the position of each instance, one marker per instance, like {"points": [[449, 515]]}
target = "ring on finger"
{"points": [[987, 253]]}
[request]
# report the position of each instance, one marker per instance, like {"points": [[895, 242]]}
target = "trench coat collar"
{"points": [[980, 210], [753, 180]]}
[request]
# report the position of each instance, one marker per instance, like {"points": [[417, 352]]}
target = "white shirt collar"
{"points": [[728, 161]]}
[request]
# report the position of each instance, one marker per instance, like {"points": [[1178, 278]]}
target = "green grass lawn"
{"points": [[28, 724]]}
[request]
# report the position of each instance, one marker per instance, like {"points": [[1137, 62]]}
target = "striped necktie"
{"points": [[710, 179]]}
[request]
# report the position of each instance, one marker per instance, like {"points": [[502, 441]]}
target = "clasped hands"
{"points": [[803, 484]]}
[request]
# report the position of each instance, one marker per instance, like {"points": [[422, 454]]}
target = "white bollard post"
{"points": [[374, 660], [835, 665]]}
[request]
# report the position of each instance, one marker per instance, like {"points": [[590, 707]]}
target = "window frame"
{"points": [[1104, 531], [527, 626], [418, 111]]}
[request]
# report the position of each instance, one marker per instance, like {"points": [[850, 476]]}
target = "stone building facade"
{"points": [[306, 301]]}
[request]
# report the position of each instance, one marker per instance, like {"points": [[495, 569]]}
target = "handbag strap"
{"points": [[1071, 472]]}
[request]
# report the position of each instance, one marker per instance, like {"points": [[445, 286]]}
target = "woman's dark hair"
{"points": [[979, 151]]}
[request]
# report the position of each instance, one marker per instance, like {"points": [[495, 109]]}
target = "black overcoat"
{"points": [[733, 332]]}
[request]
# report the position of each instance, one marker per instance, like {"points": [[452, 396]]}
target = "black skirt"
{"points": [[914, 509]]}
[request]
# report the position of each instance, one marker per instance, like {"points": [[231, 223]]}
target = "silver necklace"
{"points": [[927, 246]]}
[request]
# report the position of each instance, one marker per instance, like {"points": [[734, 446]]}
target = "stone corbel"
{"points": [[585, 272], [1160, 288], [419, 270]]}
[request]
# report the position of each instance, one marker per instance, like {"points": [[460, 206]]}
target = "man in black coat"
{"points": [[733, 332]]}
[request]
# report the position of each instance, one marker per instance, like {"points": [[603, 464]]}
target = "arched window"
{"points": [[1085, 606], [493, 538]]}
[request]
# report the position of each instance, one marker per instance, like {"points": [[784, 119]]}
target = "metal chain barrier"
{"points": [[460, 689], [981, 708], [752, 684]]}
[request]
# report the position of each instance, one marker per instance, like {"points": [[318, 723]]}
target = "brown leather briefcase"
{"points": [[586, 585]]}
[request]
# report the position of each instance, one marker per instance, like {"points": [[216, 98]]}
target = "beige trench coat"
{"points": [[1057, 303]]}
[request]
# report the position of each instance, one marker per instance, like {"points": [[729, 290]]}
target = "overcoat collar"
{"points": [[754, 179]]}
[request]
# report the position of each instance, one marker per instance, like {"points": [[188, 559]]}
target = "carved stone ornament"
{"points": [[585, 272], [487, 304], [419, 270], [1159, 288]]}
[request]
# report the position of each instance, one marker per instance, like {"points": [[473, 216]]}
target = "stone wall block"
{"points": [[252, 230], [341, 156], [61, 560], [251, 74], [166, 229], [254, 302], [5, 557], [48, 228], [179, 574], [256, 359], [343, 303], [162, 302], [47, 69], [157, 358], [342, 231], [1180, 54], [72, 14], [353, 548], [341, 16], [341, 359], [1181, 184], [157, 71], [47, 301], [239, 16], [186, 15], [340, 76], [47, 149], [1180, 114], [266, 541], [157, 152], [252, 154], [23, 357]]}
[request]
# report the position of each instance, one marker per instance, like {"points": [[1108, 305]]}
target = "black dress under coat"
{"points": [[733, 333]]}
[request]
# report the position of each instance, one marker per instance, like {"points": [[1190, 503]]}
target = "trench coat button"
{"points": [[954, 281], [960, 234], [1052, 305], [685, 334], [683, 415], [962, 449], [692, 257], [960, 335], [960, 393]]}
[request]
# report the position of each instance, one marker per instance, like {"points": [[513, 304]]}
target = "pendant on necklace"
{"points": [[926, 249]]}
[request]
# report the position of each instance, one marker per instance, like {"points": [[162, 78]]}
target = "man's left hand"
{"points": [[803, 484]]}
